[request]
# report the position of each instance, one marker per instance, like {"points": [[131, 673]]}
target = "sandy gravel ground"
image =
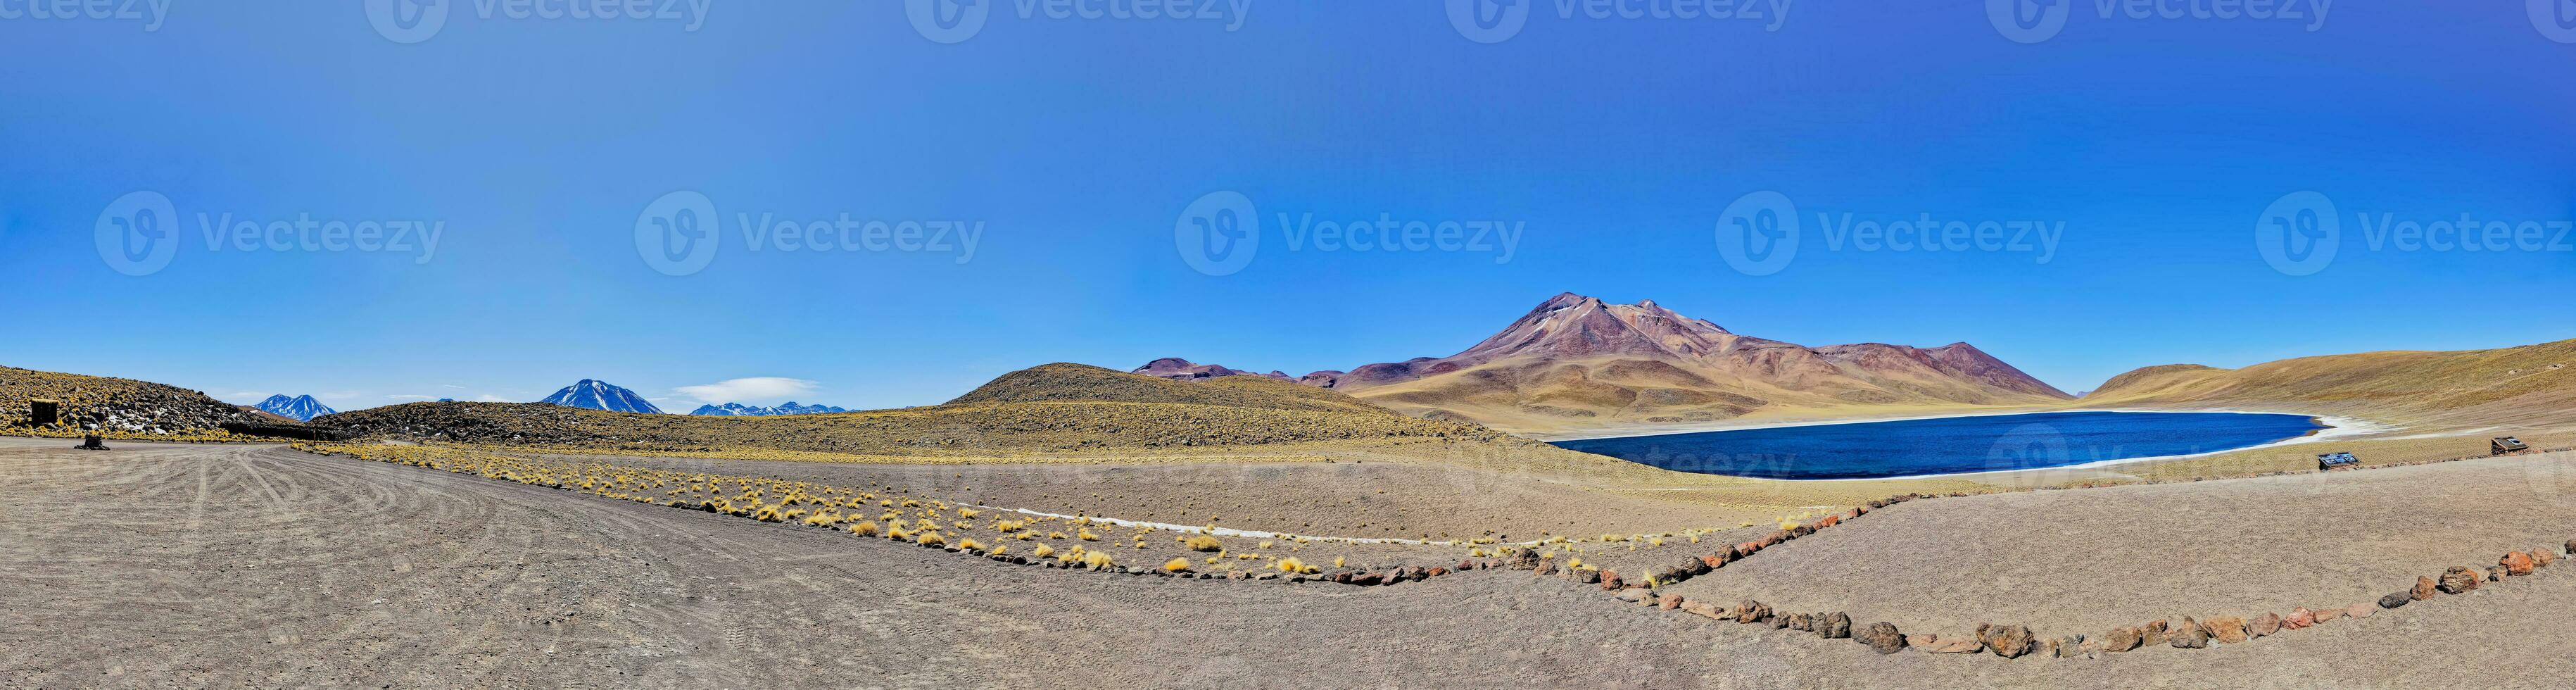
{"points": [[228, 565], [2084, 562]]}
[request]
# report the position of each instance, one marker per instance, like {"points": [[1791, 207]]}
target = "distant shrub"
{"points": [[1043, 551], [1204, 543], [1087, 535], [1176, 565], [864, 529]]}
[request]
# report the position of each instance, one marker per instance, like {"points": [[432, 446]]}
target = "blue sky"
{"points": [[1070, 150]]}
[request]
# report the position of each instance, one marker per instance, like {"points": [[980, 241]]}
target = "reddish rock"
{"points": [[1669, 602], [2301, 619], [2010, 642], [2329, 616], [2188, 635], [2124, 639], [2517, 564], [2227, 630], [2541, 558], [1882, 638], [1714, 562], [1547, 567], [2153, 634], [1752, 612], [2266, 625], [1610, 580], [1434, 572], [2424, 589], [2458, 581], [1704, 610], [1829, 521], [2360, 611]]}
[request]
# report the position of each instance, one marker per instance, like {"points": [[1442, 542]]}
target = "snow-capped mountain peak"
{"points": [[600, 395], [302, 408], [742, 410]]}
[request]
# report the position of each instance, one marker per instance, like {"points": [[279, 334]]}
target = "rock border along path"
{"points": [[2007, 641], [2015, 641]]}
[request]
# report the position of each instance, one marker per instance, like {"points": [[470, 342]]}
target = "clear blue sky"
{"points": [[1615, 145]]}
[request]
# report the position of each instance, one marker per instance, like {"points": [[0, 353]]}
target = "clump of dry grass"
{"points": [[1043, 551], [864, 529], [1176, 565], [1088, 535], [1204, 543]]}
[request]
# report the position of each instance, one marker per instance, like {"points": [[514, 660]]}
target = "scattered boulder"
{"points": [[1962, 645], [2517, 564], [1751, 611], [2010, 642], [2188, 635], [1716, 561], [1610, 580], [1704, 610], [1881, 637], [2495, 574], [1835, 626], [2362, 610], [2571, 547], [2153, 634], [2398, 600], [1632, 595], [1545, 568], [2424, 589], [2301, 619], [2329, 616], [2227, 630], [1669, 602], [2541, 558], [1802, 622], [2458, 581], [2124, 639]]}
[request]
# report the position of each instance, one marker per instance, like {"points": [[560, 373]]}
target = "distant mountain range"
{"points": [[599, 395], [742, 410], [1578, 363], [302, 408]]}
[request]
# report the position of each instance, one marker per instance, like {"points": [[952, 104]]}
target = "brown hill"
{"points": [[2533, 385], [1054, 408], [1577, 363], [118, 408]]}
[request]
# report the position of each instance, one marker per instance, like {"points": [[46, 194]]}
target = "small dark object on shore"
{"points": [[92, 442]]}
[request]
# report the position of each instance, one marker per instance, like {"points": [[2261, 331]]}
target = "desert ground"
{"points": [[199, 565]]}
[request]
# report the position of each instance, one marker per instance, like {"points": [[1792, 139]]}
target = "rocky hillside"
{"points": [[122, 408], [1048, 409], [1578, 363], [2532, 385]]}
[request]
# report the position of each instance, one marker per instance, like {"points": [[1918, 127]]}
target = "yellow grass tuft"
{"points": [[1087, 535], [1292, 565], [969, 544], [1204, 543], [931, 539], [968, 513], [864, 529], [1176, 565], [1337, 562], [1043, 551]]}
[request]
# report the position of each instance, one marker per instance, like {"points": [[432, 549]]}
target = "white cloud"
{"points": [[761, 390]]}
